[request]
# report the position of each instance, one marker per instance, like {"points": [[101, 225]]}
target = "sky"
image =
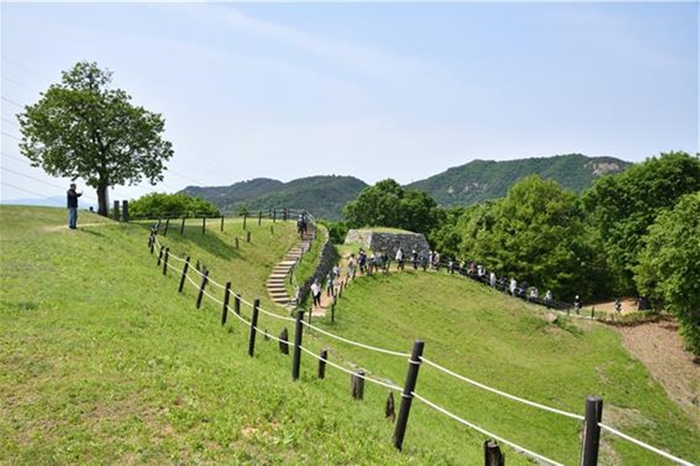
{"points": [[401, 90]]}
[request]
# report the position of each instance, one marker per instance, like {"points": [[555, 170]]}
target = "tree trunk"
{"points": [[102, 201]]}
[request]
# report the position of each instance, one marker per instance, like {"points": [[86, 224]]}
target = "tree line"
{"points": [[635, 233]]}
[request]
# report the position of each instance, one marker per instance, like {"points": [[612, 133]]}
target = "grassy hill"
{"points": [[482, 180], [104, 362]]}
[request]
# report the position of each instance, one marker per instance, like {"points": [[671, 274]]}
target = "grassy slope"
{"points": [[104, 362], [513, 349]]}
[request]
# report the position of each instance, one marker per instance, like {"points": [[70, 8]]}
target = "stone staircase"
{"points": [[280, 273]]}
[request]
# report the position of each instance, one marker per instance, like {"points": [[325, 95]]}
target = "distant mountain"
{"points": [[482, 180], [474, 182], [324, 196]]}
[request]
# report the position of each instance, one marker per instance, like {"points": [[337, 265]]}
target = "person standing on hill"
{"points": [[72, 198]]}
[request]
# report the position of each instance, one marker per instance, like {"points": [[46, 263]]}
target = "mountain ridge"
{"points": [[463, 185]]}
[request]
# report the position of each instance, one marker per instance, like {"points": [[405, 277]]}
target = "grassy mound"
{"points": [[104, 362]]}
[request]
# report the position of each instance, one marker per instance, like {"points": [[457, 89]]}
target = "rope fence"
{"points": [[415, 361]]}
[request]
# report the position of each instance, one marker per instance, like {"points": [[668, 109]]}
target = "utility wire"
{"points": [[30, 192]]}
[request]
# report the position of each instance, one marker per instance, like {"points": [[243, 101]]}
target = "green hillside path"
{"points": [[280, 273]]}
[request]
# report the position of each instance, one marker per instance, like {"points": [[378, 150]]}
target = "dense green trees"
{"points": [[83, 129], [387, 204], [622, 207], [669, 266], [156, 205], [535, 233]]}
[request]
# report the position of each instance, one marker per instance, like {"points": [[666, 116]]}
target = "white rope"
{"points": [[644, 445], [361, 345], [175, 257], [264, 332], [238, 316], [486, 432], [348, 371], [504, 394], [206, 293], [221, 287], [276, 316]]}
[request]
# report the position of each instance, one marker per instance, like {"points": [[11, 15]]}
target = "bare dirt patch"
{"points": [[659, 347]]}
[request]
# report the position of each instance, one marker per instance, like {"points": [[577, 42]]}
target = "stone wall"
{"points": [[389, 242]]}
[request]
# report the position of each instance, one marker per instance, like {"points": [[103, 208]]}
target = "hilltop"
{"points": [[107, 363], [467, 184], [482, 180]]}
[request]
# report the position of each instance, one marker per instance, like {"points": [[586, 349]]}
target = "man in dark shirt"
{"points": [[72, 197]]}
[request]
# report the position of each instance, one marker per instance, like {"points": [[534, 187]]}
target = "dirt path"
{"points": [[65, 227], [659, 347]]}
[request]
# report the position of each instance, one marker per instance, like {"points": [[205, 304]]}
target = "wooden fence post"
{"points": [[165, 261], [247, 237], [322, 364], [125, 211], [591, 432], [245, 219], [389, 409], [236, 242], [205, 278], [274, 215], [407, 395], [116, 210], [227, 296], [184, 274], [492, 454], [222, 223], [272, 230], [237, 304], [284, 341], [259, 217], [182, 226], [204, 224], [160, 255], [296, 360], [357, 381], [167, 224], [253, 328]]}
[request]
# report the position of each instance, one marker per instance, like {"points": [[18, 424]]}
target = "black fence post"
{"points": [[160, 255], [184, 274], [182, 226], [125, 211], [227, 296], [253, 328], [259, 217], [322, 364], [245, 220], [333, 311], [205, 278], [153, 242], [165, 261], [167, 224], [284, 341], [204, 224], [247, 237], [492, 454], [237, 304], [222, 223], [237, 242], [591, 432], [407, 395], [357, 381], [274, 215], [116, 210], [296, 360]]}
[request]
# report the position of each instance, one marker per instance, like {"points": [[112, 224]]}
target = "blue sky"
{"points": [[399, 90]]}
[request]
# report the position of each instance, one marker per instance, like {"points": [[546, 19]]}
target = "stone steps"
{"points": [[280, 272]]}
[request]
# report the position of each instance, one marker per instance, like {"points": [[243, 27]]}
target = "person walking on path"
{"points": [[316, 293], [72, 198]]}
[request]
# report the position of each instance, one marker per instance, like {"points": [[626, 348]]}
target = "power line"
{"points": [[40, 181], [12, 102], [30, 192], [25, 68], [16, 83], [10, 136], [11, 122]]}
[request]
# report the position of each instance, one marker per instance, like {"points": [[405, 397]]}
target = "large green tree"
{"points": [[156, 205], [83, 128], [387, 204], [622, 207], [669, 266], [536, 233]]}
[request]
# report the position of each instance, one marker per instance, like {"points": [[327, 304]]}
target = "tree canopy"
{"points": [[387, 204], [669, 266], [622, 207], [82, 128], [156, 205]]}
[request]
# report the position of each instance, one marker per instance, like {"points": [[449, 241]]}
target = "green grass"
{"points": [[104, 362]]}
